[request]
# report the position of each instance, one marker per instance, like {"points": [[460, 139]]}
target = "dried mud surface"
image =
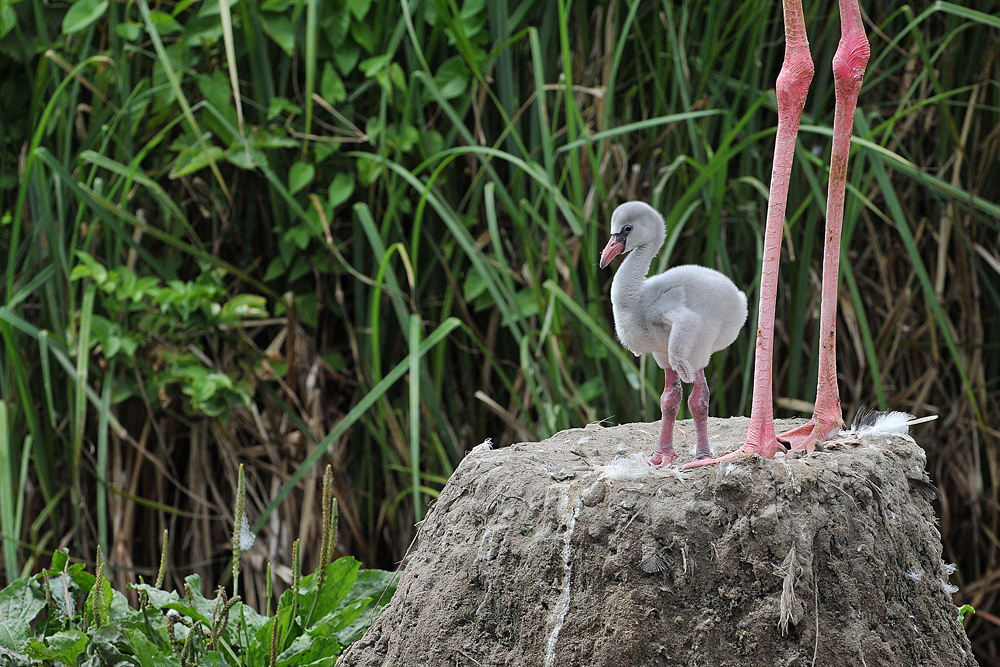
{"points": [[530, 558]]}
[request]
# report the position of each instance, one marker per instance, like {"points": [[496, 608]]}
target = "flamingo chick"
{"points": [[681, 316]]}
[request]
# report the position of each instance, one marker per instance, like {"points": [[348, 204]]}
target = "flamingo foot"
{"points": [[767, 450], [817, 432], [661, 458]]}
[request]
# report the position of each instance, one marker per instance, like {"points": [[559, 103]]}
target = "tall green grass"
{"points": [[416, 193]]}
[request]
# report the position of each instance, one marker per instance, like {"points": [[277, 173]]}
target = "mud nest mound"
{"points": [[571, 551]]}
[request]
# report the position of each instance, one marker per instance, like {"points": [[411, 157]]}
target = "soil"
{"points": [[543, 554]]}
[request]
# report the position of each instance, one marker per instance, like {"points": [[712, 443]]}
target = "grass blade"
{"points": [[414, 372], [11, 532]]}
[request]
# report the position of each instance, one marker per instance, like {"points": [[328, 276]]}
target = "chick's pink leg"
{"points": [[698, 404], [670, 403], [791, 90], [849, 64]]}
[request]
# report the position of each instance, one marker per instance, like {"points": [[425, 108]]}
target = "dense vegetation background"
{"points": [[286, 233]]}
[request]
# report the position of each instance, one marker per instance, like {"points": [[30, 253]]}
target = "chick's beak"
{"points": [[614, 248]]}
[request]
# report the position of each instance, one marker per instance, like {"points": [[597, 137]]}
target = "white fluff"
{"points": [[485, 446], [625, 468], [915, 575], [733, 470], [871, 422], [949, 569], [247, 538]]}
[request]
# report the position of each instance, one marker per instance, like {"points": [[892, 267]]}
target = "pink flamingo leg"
{"points": [[848, 72], [791, 89], [670, 403], [698, 405]]}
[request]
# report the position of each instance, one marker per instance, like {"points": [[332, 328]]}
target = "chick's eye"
{"points": [[627, 229]]}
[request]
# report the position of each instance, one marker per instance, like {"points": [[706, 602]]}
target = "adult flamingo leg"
{"points": [[849, 64], [791, 89]]}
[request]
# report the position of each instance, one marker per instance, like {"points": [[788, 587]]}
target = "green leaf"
{"points": [[60, 559], [238, 155], [20, 603], [243, 307], [300, 175], [474, 286], [299, 235], [340, 576], [364, 36], [369, 170], [279, 28], [279, 105], [300, 267], [452, 78], [106, 647], [8, 19], [146, 652], [275, 269], [283, 622], [322, 151], [346, 58], [90, 268], [336, 27], [307, 649], [278, 6], [963, 610], [307, 309], [129, 31], [82, 14], [64, 646], [372, 66], [112, 338], [159, 599], [341, 189], [209, 9], [268, 140], [331, 86], [164, 23], [194, 159], [341, 617], [397, 77], [375, 585], [359, 8]]}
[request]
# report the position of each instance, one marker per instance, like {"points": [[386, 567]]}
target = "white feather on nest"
{"points": [[870, 422], [485, 446], [633, 467], [625, 468]]}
